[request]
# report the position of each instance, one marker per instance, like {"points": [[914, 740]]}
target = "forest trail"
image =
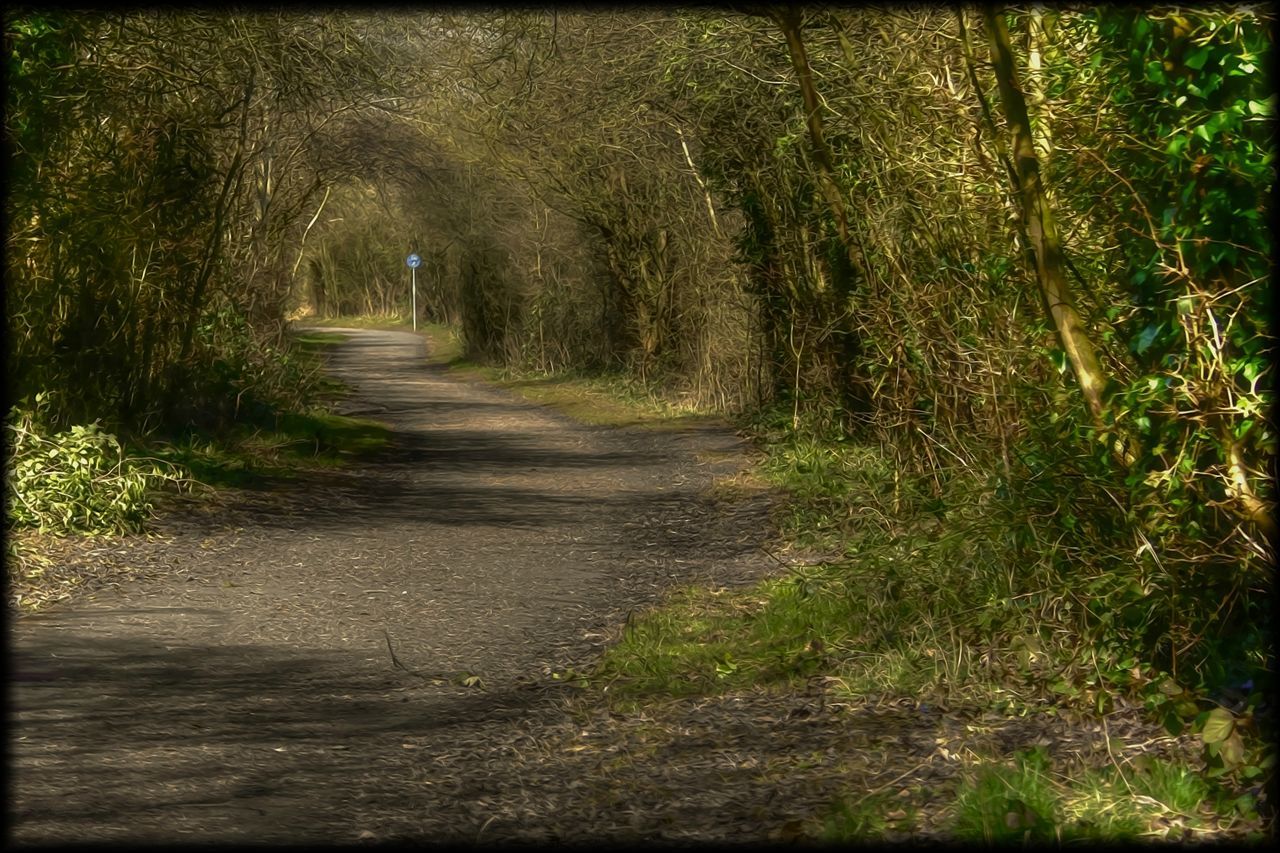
{"points": [[244, 688]]}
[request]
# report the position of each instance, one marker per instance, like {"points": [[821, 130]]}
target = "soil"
{"points": [[372, 652]]}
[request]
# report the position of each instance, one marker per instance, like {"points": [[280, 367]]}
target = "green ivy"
{"points": [[1192, 107]]}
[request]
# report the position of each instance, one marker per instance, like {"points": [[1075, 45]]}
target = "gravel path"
{"points": [[366, 653]]}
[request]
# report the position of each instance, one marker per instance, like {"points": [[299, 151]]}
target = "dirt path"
{"points": [[241, 687]]}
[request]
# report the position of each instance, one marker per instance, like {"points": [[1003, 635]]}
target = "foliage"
{"points": [[244, 375], [78, 480], [1187, 147]]}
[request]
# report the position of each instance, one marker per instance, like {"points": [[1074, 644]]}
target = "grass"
{"points": [[875, 614], [1008, 803], [312, 340], [1027, 798], [278, 445], [601, 401], [253, 457], [834, 620]]}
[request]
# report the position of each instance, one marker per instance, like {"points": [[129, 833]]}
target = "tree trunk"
{"points": [[788, 20], [215, 236], [1041, 229]]}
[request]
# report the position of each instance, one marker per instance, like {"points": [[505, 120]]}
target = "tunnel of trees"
{"points": [[1023, 254]]}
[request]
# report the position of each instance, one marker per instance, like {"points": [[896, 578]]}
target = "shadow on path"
{"points": [[129, 729]]}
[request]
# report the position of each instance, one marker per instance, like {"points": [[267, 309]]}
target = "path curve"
{"points": [[361, 653]]}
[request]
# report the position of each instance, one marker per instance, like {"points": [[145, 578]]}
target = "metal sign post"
{"points": [[413, 262]]}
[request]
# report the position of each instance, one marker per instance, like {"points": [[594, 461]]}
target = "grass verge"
{"points": [[1026, 799], [277, 446], [253, 457]]}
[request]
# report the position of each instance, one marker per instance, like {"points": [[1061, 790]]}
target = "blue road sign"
{"points": [[413, 261]]}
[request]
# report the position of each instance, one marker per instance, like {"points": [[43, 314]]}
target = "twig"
{"points": [[395, 660]]}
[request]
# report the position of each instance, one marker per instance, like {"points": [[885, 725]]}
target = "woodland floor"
{"points": [[230, 679]]}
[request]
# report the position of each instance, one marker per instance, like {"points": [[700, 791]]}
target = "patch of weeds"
{"points": [[1158, 798], [591, 400], [839, 491], [328, 436], [779, 632], [1010, 803], [864, 819], [870, 626], [676, 650], [1024, 800], [611, 401]]}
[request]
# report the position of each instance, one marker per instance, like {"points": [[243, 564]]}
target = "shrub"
{"points": [[76, 480]]}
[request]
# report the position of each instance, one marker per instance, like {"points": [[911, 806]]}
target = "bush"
{"points": [[77, 480]]}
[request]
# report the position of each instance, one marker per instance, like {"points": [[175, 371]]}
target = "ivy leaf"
{"points": [[1252, 368], [1218, 726], [1233, 750], [1195, 59]]}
